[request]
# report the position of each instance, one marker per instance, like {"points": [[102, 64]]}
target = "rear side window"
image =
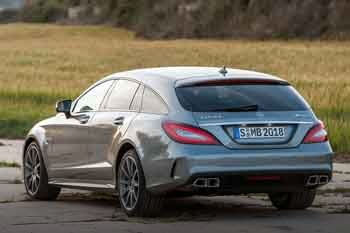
{"points": [[122, 94], [152, 103], [234, 98]]}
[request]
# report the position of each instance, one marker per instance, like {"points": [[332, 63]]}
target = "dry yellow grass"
{"points": [[42, 63]]}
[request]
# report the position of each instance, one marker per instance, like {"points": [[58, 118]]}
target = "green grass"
{"points": [[40, 64], [12, 164]]}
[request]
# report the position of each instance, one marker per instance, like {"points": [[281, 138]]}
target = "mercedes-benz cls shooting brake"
{"points": [[151, 133]]}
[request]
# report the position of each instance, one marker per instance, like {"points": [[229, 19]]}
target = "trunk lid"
{"points": [[225, 127], [248, 113]]}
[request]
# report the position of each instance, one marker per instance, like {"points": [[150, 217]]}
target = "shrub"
{"points": [[258, 19], [44, 11], [8, 16]]}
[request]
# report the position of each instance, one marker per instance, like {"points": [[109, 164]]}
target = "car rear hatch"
{"points": [[248, 113]]}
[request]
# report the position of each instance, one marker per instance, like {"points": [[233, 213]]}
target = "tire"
{"points": [[35, 175], [141, 203], [293, 201]]}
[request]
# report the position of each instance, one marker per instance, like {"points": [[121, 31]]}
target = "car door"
{"points": [[109, 125], [68, 155]]}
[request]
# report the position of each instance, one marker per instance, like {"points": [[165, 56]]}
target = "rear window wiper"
{"points": [[243, 108]]}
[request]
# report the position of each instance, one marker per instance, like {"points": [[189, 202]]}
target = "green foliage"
{"points": [[12, 164], [44, 11], [8, 16], [125, 11], [258, 19]]}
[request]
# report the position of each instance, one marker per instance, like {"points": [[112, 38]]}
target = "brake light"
{"points": [[316, 134], [188, 134]]}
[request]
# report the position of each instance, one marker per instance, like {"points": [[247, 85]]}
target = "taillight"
{"points": [[188, 134], [316, 134]]}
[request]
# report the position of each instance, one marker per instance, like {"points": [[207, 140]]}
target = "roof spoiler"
{"points": [[229, 81]]}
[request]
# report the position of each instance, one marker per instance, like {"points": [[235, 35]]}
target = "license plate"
{"points": [[259, 132]]}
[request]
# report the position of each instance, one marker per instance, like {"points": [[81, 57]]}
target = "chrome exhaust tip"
{"points": [[312, 180], [200, 183], [206, 183], [213, 182], [323, 179]]}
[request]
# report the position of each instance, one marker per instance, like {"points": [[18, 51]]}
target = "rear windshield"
{"points": [[237, 98]]}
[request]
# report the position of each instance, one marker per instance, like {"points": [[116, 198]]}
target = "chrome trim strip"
{"points": [[90, 166], [82, 185], [244, 123]]}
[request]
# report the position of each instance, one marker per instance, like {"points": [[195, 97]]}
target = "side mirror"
{"points": [[64, 107]]}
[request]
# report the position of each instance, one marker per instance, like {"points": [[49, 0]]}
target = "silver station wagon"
{"points": [[151, 133]]}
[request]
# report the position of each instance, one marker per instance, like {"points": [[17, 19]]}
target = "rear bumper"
{"points": [[188, 162], [256, 182]]}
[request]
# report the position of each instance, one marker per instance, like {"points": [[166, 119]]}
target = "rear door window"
{"points": [[248, 97]]}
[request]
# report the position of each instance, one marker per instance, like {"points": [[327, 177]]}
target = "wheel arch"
{"points": [[27, 142], [37, 134], [124, 147]]}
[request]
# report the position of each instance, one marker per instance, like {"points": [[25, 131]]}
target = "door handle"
{"points": [[118, 121], [83, 119]]}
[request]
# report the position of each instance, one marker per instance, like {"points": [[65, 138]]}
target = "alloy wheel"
{"points": [[32, 169], [129, 182]]}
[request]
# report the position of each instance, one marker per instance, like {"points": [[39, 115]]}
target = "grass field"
{"points": [[40, 64]]}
